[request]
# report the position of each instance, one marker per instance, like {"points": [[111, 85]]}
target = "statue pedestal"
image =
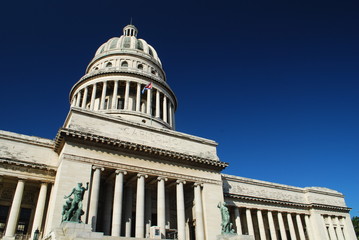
{"points": [[234, 237], [73, 230]]}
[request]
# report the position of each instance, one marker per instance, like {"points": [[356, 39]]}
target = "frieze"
{"points": [[142, 170]]}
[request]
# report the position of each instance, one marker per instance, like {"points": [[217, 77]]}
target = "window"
{"points": [[120, 103], [140, 66], [109, 65], [124, 64], [150, 51]]}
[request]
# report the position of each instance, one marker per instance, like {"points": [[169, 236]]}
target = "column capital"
{"points": [[98, 167], [180, 181], [198, 184], [142, 175], [162, 178], [121, 171]]}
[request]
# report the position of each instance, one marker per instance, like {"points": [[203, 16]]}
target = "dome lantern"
{"points": [[130, 31]]}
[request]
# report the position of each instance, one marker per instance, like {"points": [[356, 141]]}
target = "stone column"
{"points": [[93, 96], [271, 226], [181, 220], [331, 228], [170, 114], [161, 206], [114, 95], [300, 227], [338, 229], [73, 101], [140, 206], [138, 97], [291, 227], [281, 226], [148, 212], [128, 211], [249, 222], [237, 216], [198, 211], [39, 212], [164, 108], [308, 227], [168, 209], [127, 94], [117, 204], [107, 212], [149, 93], [95, 192], [318, 226], [262, 232], [15, 209], [103, 95], [84, 99], [158, 104], [78, 99]]}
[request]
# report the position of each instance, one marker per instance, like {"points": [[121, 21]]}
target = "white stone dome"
{"points": [[128, 43]]}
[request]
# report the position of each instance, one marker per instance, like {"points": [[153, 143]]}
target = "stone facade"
{"points": [[119, 136]]}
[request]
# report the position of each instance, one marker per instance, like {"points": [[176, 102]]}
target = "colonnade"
{"points": [[125, 95], [12, 220], [122, 205], [277, 225]]}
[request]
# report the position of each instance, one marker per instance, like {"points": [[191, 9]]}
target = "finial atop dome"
{"points": [[130, 30]]}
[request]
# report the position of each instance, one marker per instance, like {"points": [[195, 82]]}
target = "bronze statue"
{"points": [[226, 223], [72, 209]]}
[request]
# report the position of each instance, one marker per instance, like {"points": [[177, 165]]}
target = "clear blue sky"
{"points": [[275, 83]]}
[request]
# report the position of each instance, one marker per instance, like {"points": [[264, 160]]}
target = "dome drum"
{"points": [[126, 99]]}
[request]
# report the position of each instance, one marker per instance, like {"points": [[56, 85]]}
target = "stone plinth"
{"points": [[234, 237], [72, 230]]}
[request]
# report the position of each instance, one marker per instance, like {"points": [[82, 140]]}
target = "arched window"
{"points": [[140, 66], [124, 64], [109, 65], [150, 51]]}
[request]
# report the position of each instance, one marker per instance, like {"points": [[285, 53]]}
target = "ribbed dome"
{"points": [[128, 42]]}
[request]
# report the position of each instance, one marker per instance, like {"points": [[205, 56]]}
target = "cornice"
{"points": [[287, 203], [43, 142], [140, 170], [136, 148]]}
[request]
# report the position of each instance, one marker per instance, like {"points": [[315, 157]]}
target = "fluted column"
{"points": [[331, 229], [170, 114], [199, 212], [271, 226], [181, 220], [140, 206], [338, 229], [138, 97], [262, 232], [308, 227], [165, 108], [281, 226], [93, 96], [161, 206], [128, 211], [114, 95], [291, 227], [149, 93], [15, 209], [78, 99], [158, 104], [84, 99], [249, 222], [300, 227], [117, 203], [40, 206], [95, 193], [103, 95], [127, 94], [237, 216]]}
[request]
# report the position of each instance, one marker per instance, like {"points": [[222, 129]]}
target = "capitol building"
{"points": [[146, 180]]}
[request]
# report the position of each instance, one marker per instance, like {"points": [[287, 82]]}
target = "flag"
{"points": [[147, 87]]}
